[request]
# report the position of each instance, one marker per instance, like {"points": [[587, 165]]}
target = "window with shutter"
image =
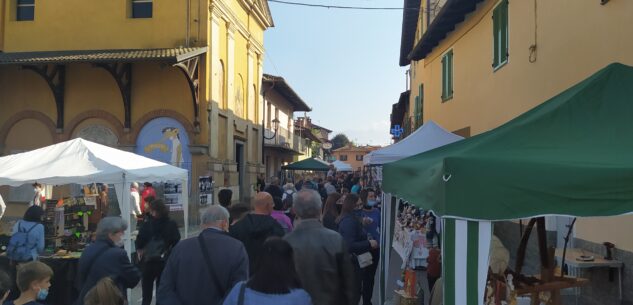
{"points": [[25, 10], [500, 35], [142, 8], [447, 76]]}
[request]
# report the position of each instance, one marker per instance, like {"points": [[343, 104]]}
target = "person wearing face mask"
{"points": [[203, 270], [107, 258], [33, 281], [158, 235], [371, 216]]}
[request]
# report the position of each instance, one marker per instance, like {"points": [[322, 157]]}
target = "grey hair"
{"points": [[135, 185], [213, 214], [307, 204], [110, 225]]}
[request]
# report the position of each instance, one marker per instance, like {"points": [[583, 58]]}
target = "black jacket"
{"points": [[274, 191], [354, 235], [253, 230], [323, 264], [186, 279], [166, 228], [103, 259]]}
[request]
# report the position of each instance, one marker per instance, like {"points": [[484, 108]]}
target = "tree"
{"points": [[339, 141]]}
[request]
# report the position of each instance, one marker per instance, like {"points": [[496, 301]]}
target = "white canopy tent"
{"points": [[428, 136], [342, 166], [84, 162]]}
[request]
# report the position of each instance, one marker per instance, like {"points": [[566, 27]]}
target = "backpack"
{"points": [[18, 249]]}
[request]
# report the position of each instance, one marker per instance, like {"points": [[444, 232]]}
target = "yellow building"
{"points": [[177, 81], [478, 64], [353, 155]]}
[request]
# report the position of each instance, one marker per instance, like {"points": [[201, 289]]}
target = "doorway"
{"points": [[239, 159]]}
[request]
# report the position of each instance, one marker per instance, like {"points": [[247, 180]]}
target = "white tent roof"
{"points": [[342, 166], [83, 162], [425, 138]]}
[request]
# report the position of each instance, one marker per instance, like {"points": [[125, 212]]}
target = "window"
{"points": [[419, 104], [142, 8], [500, 34], [26, 10], [447, 76], [359, 157], [343, 157]]}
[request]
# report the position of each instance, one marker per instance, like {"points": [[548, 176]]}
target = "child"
{"points": [[33, 280], [104, 293]]}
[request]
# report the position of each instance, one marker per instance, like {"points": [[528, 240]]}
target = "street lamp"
{"points": [[275, 129]]}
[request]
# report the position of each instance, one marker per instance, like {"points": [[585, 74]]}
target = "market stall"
{"points": [[342, 166], [571, 156], [86, 163], [307, 165], [429, 136]]}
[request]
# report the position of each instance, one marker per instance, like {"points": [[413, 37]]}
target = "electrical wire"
{"points": [[341, 7]]}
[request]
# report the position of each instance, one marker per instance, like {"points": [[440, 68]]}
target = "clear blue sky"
{"points": [[343, 63]]}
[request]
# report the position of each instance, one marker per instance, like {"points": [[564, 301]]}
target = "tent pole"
{"points": [[185, 205]]}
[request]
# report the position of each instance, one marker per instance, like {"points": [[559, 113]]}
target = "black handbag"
{"points": [[155, 250]]}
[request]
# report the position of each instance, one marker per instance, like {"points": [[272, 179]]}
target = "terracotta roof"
{"points": [[350, 147], [280, 85], [171, 55]]}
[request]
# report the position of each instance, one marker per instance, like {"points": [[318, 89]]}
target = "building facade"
{"points": [[178, 81], [315, 137], [353, 155], [475, 65], [282, 145]]}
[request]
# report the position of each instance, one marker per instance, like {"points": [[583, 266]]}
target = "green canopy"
{"points": [[311, 164], [572, 155]]}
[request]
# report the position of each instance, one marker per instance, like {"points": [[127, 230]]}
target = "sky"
{"points": [[342, 63]]}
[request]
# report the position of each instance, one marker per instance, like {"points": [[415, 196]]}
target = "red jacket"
{"points": [[147, 192]]}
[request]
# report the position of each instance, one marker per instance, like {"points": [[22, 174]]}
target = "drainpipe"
{"points": [[428, 13], [188, 25]]}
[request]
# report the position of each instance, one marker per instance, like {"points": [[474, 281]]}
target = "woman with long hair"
{"points": [[276, 281], [104, 293], [355, 236], [154, 243], [330, 211]]}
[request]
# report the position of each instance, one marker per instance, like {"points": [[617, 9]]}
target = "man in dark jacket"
{"points": [[256, 227], [106, 258], [190, 278], [274, 189], [321, 257]]}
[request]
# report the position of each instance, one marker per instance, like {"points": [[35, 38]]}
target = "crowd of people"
{"points": [[311, 242]]}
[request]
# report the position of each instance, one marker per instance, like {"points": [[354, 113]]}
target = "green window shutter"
{"points": [[444, 72], [421, 113], [503, 31], [495, 37], [450, 75]]}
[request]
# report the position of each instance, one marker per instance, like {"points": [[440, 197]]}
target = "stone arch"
{"points": [[114, 122], [28, 114], [138, 125]]}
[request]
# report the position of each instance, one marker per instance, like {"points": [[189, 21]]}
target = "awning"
{"points": [[170, 56], [312, 164], [571, 155]]}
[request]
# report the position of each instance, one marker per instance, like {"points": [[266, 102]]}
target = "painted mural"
{"points": [[165, 139]]}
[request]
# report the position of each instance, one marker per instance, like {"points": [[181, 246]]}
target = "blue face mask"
{"points": [[42, 294], [371, 203]]}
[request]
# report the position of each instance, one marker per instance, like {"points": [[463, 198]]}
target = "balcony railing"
{"points": [[286, 139]]}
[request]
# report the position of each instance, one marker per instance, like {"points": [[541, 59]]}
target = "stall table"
{"points": [[571, 260], [63, 290]]}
